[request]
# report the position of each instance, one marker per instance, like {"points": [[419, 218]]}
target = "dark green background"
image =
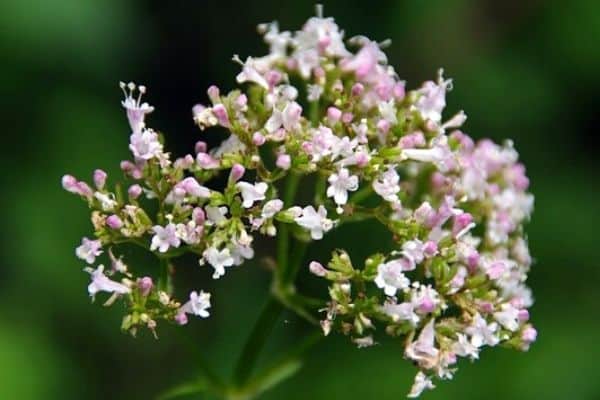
{"points": [[526, 70]]}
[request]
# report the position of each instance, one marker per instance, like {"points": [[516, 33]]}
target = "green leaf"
{"points": [[184, 389]]}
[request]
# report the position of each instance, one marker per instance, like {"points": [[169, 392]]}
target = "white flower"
{"points": [[432, 100], [190, 187], [198, 304], [136, 110], [340, 184], [387, 184], [271, 208], [164, 237], [314, 92], [390, 278], [363, 342], [253, 71], [508, 317], [215, 215], [401, 312], [242, 248], [423, 350], [218, 260], [107, 201], [439, 154], [387, 109], [145, 145], [89, 250], [288, 118], [316, 222], [482, 333], [464, 347], [101, 283], [413, 249], [252, 193], [422, 382]]}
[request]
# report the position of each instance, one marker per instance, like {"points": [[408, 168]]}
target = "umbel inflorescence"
{"points": [[334, 111]]}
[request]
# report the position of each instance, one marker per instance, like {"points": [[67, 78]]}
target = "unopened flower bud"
{"points": [[237, 171], [200, 147], [333, 115], [114, 222], [317, 269], [134, 191], [181, 318], [99, 179], [213, 94], [258, 139], [284, 161], [145, 285]]}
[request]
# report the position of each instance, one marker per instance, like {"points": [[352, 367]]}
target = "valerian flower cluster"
{"points": [[333, 109]]}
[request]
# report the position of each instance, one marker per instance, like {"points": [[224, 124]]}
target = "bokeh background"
{"points": [[523, 69]]}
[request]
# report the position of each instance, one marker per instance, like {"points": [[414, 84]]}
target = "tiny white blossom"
{"points": [[252, 193], [101, 283], [253, 71], [387, 109], [136, 110], [464, 347], [164, 237], [387, 184], [482, 333], [508, 317], [271, 208], [198, 304], [145, 145], [340, 184], [288, 118], [107, 201], [215, 215], [423, 350], [89, 250], [390, 278], [401, 312], [315, 221], [422, 382], [218, 260]]}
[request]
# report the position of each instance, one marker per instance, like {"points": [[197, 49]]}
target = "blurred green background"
{"points": [[526, 70]]}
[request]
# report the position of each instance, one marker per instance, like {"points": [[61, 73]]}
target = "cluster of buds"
{"points": [[318, 105]]}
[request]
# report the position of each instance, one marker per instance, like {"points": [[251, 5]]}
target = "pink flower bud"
{"points": [[134, 191], [200, 147], [99, 179], [529, 335], [221, 113], [284, 161], [430, 248], [399, 91], [273, 77], [427, 305], [258, 139], [114, 222], [241, 101], [319, 72], [383, 125], [213, 94], [317, 269], [523, 315], [461, 222], [333, 115], [198, 215], [131, 169], [486, 307], [145, 285], [181, 318], [347, 117], [69, 183], [237, 171], [357, 89], [206, 161], [362, 159]]}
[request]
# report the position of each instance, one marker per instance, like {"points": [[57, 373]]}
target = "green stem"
{"points": [[257, 339]]}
